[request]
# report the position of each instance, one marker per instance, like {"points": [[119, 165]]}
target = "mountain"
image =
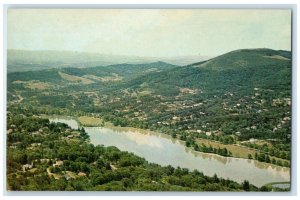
{"points": [[100, 74], [236, 70], [226, 95], [237, 104], [185, 60], [24, 60], [245, 58]]}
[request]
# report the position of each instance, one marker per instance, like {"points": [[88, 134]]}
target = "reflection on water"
{"points": [[164, 150], [208, 156], [144, 139], [67, 120], [282, 185], [260, 165]]}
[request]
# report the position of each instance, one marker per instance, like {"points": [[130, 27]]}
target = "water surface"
{"points": [[164, 150]]}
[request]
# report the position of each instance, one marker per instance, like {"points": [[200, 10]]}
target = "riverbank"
{"points": [[237, 151], [90, 121], [60, 163], [164, 150], [278, 186]]}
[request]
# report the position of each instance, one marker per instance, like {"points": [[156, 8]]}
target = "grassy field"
{"points": [[38, 85], [77, 79], [237, 151], [89, 121]]}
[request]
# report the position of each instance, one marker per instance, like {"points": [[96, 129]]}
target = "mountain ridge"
{"points": [[255, 67], [28, 60], [222, 96], [243, 54]]}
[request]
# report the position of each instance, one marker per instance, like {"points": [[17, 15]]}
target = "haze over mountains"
{"points": [[258, 79], [236, 70], [24, 60], [230, 99], [149, 99]]}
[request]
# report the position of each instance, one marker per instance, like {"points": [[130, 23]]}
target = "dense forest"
{"points": [[234, 98], [51, 156], [241, 99]]}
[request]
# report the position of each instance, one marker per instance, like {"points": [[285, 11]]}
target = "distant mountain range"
{"points": [[236, 70], [23, 60], [230, 92]]}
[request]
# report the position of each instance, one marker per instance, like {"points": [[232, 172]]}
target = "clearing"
{"points": [[89, 121], [76, 79], [277, 57], [34, 84], [236, 150]]}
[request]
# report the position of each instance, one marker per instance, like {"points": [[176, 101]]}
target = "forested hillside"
{"points": [[241, 98], [44, 156]]}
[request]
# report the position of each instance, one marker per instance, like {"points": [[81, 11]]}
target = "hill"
{"points": [[110, 73], [245, 58], [49, 161], [233, 98], [237, 70], [24, 60]]}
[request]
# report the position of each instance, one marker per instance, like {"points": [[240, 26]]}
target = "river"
{"points": [[164, 150]]}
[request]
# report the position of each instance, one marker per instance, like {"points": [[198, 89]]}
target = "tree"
{"points": [[250, 156], [268, 160], [173, 135], [187, 143], [246, 185], [265, 189], [215, 178]]}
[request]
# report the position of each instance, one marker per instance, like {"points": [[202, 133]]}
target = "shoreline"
{"points": [[182, 142], [219, 158]]}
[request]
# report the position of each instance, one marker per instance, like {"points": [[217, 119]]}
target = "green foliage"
{"points": [[246, 185], [104, 168], [235, 97]]}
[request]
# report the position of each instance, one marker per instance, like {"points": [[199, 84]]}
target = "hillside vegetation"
{"points": [[44, 156], [240, 98]]}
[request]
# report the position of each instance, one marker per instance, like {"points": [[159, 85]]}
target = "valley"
{"points": [[149, 144], [234, 105]]}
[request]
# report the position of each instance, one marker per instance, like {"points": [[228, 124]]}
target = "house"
{"points": [[13, 126], [198, 131], [69, 176], [35, 133], [208, 133], [27, 166], [81, 174], [70, 136], [76, 133], [238, 133], [252, 140], [113, 167], [35, 144], [44, 160], [58, 163]]}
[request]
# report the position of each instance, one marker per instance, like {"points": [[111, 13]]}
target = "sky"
{"points": [[149, 32]]}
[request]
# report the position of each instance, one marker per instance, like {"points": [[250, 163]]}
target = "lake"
{"points": [[164, 150]]}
